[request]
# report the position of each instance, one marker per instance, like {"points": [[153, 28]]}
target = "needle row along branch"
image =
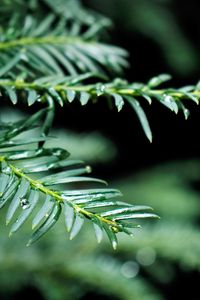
{"points": [[64, 89], [47, 195]]}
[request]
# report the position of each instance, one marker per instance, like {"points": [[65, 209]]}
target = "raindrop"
{"points": [[100, 89], [7, 170], [130, 269], [88, 169], [24, 203], [168, 98], [186, 113]]}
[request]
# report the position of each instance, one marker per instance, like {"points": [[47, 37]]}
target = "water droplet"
{"points": [[186, 113], [24, 203], [168, 98], [130, 269], [88, 169], [146, 256], [100, 89], [7, 170]]}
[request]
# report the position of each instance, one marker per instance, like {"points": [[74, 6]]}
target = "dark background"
{"points": [[173, 137]]}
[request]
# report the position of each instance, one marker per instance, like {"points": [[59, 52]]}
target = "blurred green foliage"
{"points": [[158, 21], [60, 269], [95, 147]]}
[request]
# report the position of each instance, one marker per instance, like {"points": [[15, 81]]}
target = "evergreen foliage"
{"points": [[54, 60], [139, 269]]}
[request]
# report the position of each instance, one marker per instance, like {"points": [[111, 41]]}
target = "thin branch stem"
{"points": [[93, 89], [36, 184], [51, 40]]}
